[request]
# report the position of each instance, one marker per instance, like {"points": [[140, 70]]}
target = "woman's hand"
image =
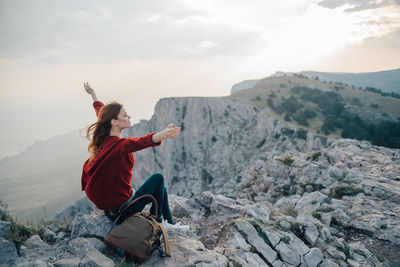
{"points": [[170, 132], [90, 91]]}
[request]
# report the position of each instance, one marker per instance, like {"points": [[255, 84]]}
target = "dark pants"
{"points": [[154, 186]]}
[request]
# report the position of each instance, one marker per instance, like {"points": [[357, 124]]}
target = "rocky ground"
{"points": [[223, 232], [264, 195]]}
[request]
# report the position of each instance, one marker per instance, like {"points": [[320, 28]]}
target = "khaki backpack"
{"points": [[139, 235]]}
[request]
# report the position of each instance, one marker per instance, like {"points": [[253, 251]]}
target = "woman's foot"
{"points": [[177, 225]]}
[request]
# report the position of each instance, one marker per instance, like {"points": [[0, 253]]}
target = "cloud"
{"points": [[105, 32], [358, 5], [372, 54]]}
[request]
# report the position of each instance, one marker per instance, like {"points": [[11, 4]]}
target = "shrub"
{"points": [[286, 239], [290, 211], [257, 98], [302, 134], [316, 214], [316, 155], [287, 160], [325, 210], [270, 103], [18, 233], [374, 105], [309, 113], [291, 104], [346, 190]]}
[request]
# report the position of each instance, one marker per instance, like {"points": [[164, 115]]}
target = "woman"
{"points": [[107, 174]]}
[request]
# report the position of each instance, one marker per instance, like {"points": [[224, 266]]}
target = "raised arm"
{"points": [[96, 103]]}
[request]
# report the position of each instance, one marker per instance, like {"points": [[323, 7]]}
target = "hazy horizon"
{"points": [[139, 52]]}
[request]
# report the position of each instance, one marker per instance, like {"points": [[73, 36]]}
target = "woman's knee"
{"points": [[158, 179]]}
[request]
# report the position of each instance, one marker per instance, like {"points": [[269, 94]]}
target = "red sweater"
{"points": [[107, 180]]}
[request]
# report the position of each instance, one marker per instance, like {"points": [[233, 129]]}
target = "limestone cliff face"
{"points": [[219, 140]]}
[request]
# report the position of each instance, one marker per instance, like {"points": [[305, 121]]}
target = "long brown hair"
{"points": [[101, 128]]}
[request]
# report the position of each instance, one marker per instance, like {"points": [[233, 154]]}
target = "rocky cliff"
{"points": [[255, 192], [220, 139]]}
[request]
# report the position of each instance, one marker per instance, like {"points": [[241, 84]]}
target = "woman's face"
{"points": [[124, 120]]}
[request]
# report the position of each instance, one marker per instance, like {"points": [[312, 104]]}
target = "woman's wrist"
{"points": [[94, 97], [157, 137]]}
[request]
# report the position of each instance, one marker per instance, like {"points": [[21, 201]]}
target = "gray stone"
{"points": [[244, 258], [329, 263], [259, 211], [256, 241], [336, 254], [287, 253], [274, 238], [187, 252], [33, 263], [4, 227], [84, 253], [236, 241], [97, 243], [311, 233], [48, 235], [335, 172], [284, 225], [314, 257], [91, 226], [8, 251], [36, 242]]}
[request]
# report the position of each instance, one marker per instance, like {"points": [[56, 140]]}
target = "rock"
{"points": [[36, 242], [274, 238], [287, 253], [97, 243], [314, 257], [187, 252], [336, 254], [311, 233], [33, 263], [82, 206], [329, 263], [91, 226], [244, 258], [291, 249], [84, 253], [259, 211], [8, 251], [48, 235], [335, 172], [4, 227], [284, 225], [236, 241], [54, 227], [253, 238]]}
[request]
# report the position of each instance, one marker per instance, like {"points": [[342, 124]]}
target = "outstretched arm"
{"points": [[133, 144], [170, 132], [97, 104]]}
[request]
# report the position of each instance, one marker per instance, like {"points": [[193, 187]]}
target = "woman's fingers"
{"points": [[173, 132]]}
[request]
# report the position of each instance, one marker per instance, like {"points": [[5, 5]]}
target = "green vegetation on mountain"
{"points": [[333, 109]]}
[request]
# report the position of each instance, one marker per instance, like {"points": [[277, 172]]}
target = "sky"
{"points": [[137, 52]]}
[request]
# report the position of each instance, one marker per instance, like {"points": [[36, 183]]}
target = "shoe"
{"points": [[177, 225]]}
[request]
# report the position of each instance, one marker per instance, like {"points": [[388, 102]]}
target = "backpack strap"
{"points": [[166, 240], [125, 207], [153, 200]]}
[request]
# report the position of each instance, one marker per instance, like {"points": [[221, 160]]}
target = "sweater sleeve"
{"points": [[97, 106], [133, 144]]}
